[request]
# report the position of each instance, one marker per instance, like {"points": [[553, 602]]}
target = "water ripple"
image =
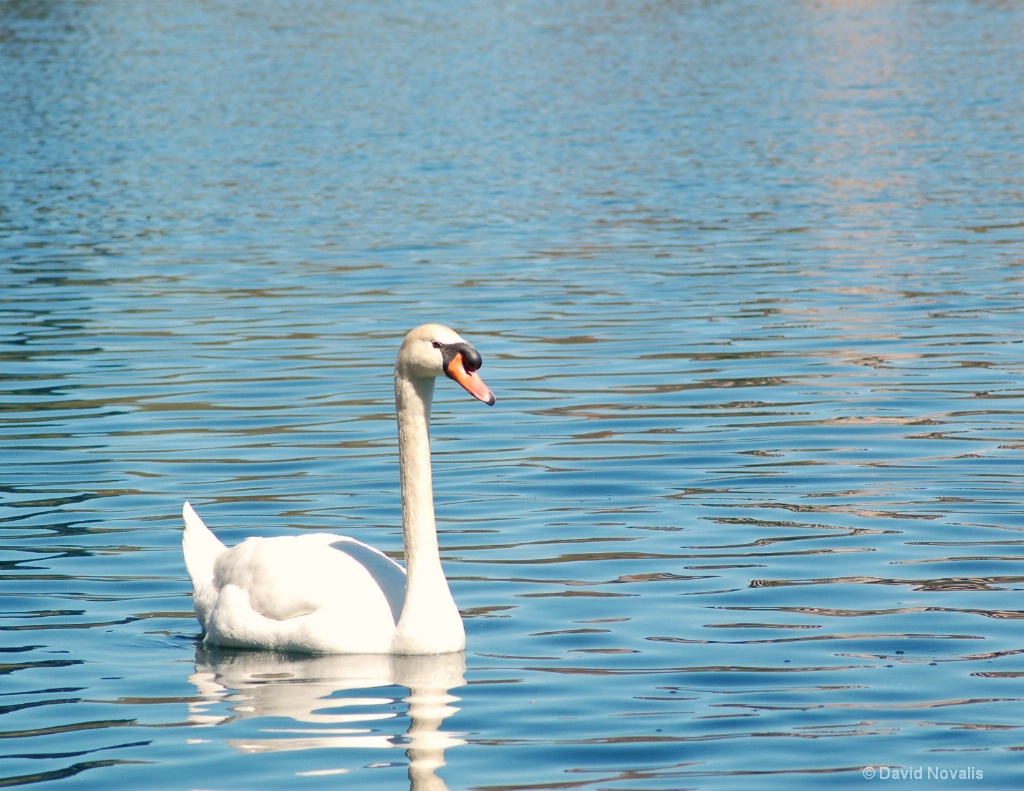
{"points": [[747, 285]]}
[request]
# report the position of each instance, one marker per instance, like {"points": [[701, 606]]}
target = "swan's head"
{"points": [[433, 349]]}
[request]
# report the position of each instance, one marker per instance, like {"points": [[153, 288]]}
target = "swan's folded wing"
{"points": [[389, 575], [289, 577]]}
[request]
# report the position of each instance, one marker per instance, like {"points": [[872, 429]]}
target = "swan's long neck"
{"points": [[430, 621]]}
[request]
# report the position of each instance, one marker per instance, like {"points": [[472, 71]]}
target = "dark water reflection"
{"points": [[747, 282]]}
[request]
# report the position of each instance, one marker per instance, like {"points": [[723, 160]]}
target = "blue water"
{"points": [[747, 279]]}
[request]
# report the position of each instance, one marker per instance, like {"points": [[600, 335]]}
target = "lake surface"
{"points": [[747, 279]]}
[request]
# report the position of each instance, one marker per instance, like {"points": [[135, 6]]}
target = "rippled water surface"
{"points": [[747, 279]]}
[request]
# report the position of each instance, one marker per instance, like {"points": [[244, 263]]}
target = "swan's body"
{"points": [[323, 593]]}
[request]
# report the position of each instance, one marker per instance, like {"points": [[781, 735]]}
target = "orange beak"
{"points": [[470, 380]]}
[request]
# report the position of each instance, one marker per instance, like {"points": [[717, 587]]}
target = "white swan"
{"points": [[327, 594]]}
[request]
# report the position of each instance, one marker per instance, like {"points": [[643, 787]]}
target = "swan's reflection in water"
{"points": [[315, 693]]}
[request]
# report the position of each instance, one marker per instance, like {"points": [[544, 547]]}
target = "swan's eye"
{"points": [[436, 345]]}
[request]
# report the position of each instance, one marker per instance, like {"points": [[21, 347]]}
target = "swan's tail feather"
{"points": [[200, 546]]}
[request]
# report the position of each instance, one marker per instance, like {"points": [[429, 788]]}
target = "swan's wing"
{"points": [[389, 575], [313, 593], [291, 576]]}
